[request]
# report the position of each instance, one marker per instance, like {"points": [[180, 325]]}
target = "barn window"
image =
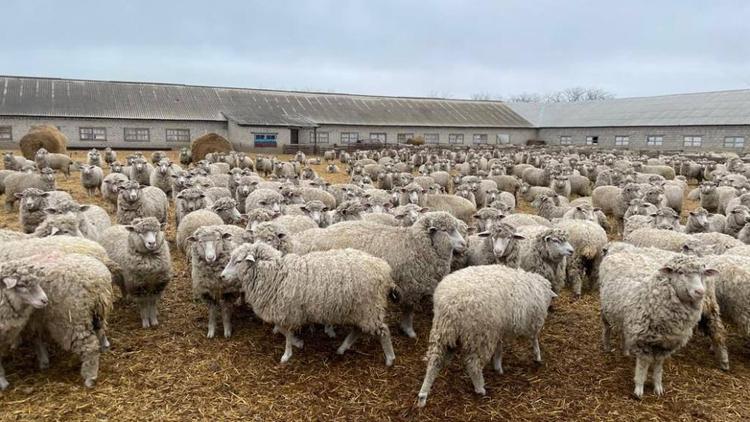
{"points": [[622, 141], [322, 137], [378, 136], [6, 133], [692, 141], [734, 142], [566, 140], [137, 134], [93, 133], [265, 140], [432, 138], [178, 135], [455, 138], [655, 140], [349, 137], [401, 138], [480, 138], [503, 139], [592, 140]]}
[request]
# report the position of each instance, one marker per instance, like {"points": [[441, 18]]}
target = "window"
{"points": [[566, 140], [654, 140], [692, 141], [265, 140], [6, 133], [432, 138], [401, 138], [322, 137], [622, 141], [503, 139], [178, 135], [456, 138], [480, 138], [349, 137], [592, 140], [734, 142], [137, 135], [93, 133], [378, 136]]}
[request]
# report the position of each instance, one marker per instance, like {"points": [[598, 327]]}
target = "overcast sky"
{"points": [[391, 47]]}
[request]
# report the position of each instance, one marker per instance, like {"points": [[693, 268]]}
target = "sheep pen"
{"points": [[176, 373]]}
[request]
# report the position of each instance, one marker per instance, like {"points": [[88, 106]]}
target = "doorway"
{"points": [[294, 140]]}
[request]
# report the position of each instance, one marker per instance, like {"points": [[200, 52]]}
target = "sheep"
{"points": [[189, 200], [419, 255], [264, 198], [192, 222], [53, 160], [110, 187], [141, 251], [664, 171], [638, 221], [347, 211], [110, 156], [458, 207], [59, 225], [271, 233], [561, 185], [614, 201], [540, 250], [655, 306], [332, 168], [136, 201], [13, 162], [20, 295], [181, 180], [226, 208], [669, 240], [407, 215], [341, 287], [732, 293], [581, 211], [736, 220], [33, 204], [580, 185], [486, 247], [161, 176], [588, 240], [530, 193], [548, 209], [478, 309], [18, 182], [743, 199], [92, 219], [296, 223], [93, 158], [518, 220], [640, 207], [700, 221], [91, 179], [667, 218], [209, 254], [712, 243]]}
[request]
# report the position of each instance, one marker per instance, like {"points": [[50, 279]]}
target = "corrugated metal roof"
{"points": [[23, 96], [704, 108]]}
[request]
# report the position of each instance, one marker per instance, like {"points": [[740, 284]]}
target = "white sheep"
{"points": [[16, 183], [33, 204], [338, 287], [91, 179], [477, 309], [136, 201]]}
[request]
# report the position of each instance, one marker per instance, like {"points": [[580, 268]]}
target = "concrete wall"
{"points": [[115, 131], [712, 136], [517, 136], [243, 137]]}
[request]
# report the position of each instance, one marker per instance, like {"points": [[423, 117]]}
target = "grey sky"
{"points": [[453, 48]]}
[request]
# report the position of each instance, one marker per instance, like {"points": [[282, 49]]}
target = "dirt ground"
{"points": [[174, 372]]}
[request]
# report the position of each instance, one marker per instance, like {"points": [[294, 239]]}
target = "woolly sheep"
{"points": [[655, 307], [339, 287], [226, 208], [736, 220], [141, 251], [54, 161], [518, 220], [18, 182], [273, 234], [189, 200], [588, 240], [264, 198], [733, 289], [93, 158], [13, 162], [20, 295], [743, 250], [700, 221], [296, 223], [636, 222], [140, 171], [110, 187], [92, 219], [540, 250], [33, 204], [478, 309], [59, 225], [614, 201], [530, 193], [91, 179], [192, 222], [135, 201], [161, 177], [419, 255]]}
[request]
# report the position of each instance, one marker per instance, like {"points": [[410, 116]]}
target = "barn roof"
{"points": [[696, 109], [50, 97]]}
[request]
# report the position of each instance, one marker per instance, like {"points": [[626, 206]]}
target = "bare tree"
{"points": [[525, 97], [569, 95], [482, 96]]}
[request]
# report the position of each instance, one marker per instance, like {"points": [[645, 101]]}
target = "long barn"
{"points": [[167, 116]]}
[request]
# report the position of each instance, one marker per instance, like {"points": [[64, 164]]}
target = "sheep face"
{"points": [[667, 218], [163, 167], [226, 208], [145, 235], [740, 215], [315, 210], [686, 277], [48, 175], [271, 234], [487, 218], [247, 259], [210, 244], [191, 200], [443, 229], [699, 218], [32, 199], [707, 188], [22, 289], [116, 167], [558, 247], [257, 216], [130, 192]]}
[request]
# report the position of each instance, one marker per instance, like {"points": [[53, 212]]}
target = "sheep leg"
{"points": [[537, 350], [349, 340], [474, 369], [712, 326], [407, 323], [657, 376], [3, 382], [103, 340], [42, 357], [288, 346], [226, 318], [153, 312], [434, 364], [212, 311], [330, 331], [641, 372], [90, 368], [497, 358], [606, 336], [387, 345]]}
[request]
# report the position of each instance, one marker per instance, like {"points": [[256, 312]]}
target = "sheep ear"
{"points": [[519, 236], [281, 235], [710, 272], [250, 258], [483, 234], [9, 282], [666, 270], [163, 226], [191, 239], [49, 210], [53, 231], [129, 228], [226, 236], [202, 195], [18, 195], [84, 207]]}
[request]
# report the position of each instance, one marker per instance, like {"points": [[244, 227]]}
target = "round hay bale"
{"points": [[417, 140], [47, 137], [208, 143]]}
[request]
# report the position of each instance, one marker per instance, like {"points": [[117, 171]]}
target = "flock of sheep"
{"points": [[276, 237]]}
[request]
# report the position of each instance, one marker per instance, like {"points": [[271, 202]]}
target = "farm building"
{"points": [[159, 116]]}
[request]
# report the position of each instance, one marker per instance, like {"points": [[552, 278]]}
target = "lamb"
{"points": [[33, 204], [192, 222], [209, 254], [654, 306], [142, 253], [700, 221], [338, 287], [479, 308], [420, 255], [135, 201], [264, 198], [91, 179], [736, 220], [19, 182], [20, 295], [53, 160], [226, 208]]}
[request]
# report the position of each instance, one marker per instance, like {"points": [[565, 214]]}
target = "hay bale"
{"points": [[208, 143], [417, 140], [47, 137]]}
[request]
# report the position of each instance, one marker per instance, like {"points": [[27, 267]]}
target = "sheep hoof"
{"points": [[210, 334], [4, 384], [481, 391], [285, 358], [724, 366], [330, 331], [421, 399], [638, 392], [298, 343], [389, 361], [658, 390], [409, 331], [145, 323], [227, 333], [90, 383]]}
